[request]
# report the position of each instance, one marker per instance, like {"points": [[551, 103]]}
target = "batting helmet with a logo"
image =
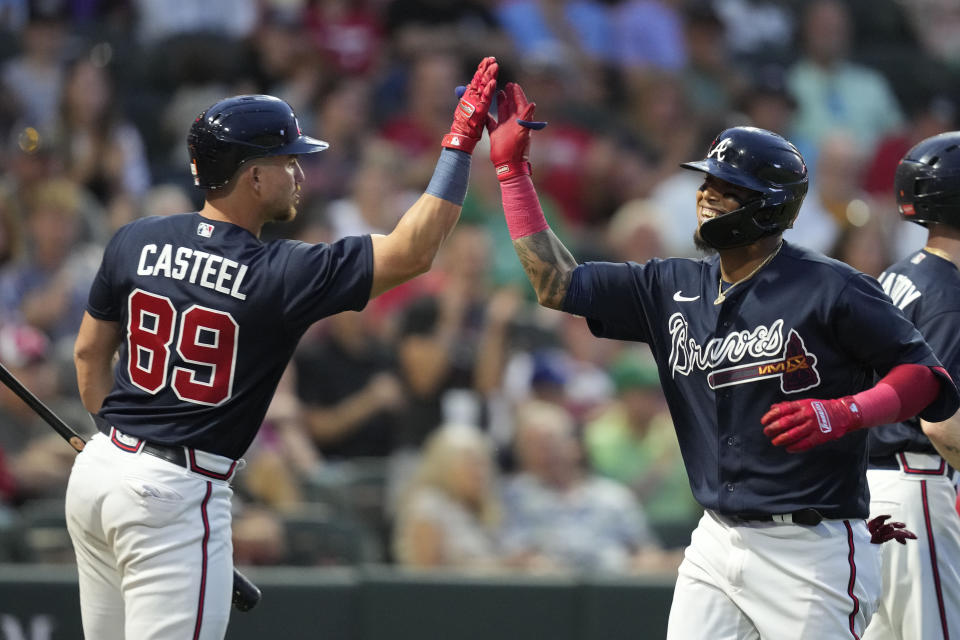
{"points": [[761, 161], [235, 130], [927, 181]]}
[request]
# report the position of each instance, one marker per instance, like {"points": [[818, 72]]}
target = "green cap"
{"points": [[634, 371]]}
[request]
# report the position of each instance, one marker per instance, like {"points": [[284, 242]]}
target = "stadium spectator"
{"points": [[632, 441], [648, 36], [48, 288], [35, 77], [413, 127], [342, 111], [556, 509], [346, 379], [711, 81], [449, 514], [453, 343], [349, 35], [831, 91], [470, 27], [37, 459], [101, 150]]}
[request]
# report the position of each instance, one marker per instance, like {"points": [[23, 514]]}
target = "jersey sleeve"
{"points": [[876, 333], [323, 279], [104, 301], [611, 297]]}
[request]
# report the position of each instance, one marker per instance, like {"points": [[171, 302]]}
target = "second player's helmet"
{"points": [[927, 181], [761, 161], [237, 129]]}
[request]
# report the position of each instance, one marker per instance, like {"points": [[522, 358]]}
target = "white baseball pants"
{"points": [[775, 581], [921, 580], [153, 546]]}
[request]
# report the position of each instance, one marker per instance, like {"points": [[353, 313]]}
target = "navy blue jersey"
{"points": [[927, 289], [210, 317], [804, 326]]}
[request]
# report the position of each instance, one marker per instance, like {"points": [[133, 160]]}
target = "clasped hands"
{"points": [[509, 131]]}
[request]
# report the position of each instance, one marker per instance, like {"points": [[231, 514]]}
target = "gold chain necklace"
{"points": [[722, 295]]}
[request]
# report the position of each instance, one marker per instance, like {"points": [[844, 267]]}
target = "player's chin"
{"points": [[285, 215], [700, 243]]}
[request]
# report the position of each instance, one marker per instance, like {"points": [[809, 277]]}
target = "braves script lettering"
{"points": [[686, 354]]}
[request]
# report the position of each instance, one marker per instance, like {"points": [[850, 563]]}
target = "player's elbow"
{"points": [[83, 353], [420, 264], [941, 433]]}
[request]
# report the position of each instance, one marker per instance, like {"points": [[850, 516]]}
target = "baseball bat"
{"points": [[246, 595]]}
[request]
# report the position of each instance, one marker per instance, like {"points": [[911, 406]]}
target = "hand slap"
{"points": [[882, 531], [472, 112], [510, 133], [801, 425]]}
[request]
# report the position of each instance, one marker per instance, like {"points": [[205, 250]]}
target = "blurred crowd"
{"points": [[452, 423]]}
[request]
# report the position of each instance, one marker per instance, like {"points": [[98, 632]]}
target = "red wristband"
{"points": [[459, 142], [521, 207], [903, 393], [509, 170]]}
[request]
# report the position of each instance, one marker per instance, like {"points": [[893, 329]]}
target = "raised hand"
{"points": [[471, 114], [801, 425], [510, 134], [881, 531]]}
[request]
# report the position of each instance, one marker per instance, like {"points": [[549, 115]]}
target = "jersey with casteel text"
{"points": [[804, 326], [927, 289], [209, 318]]}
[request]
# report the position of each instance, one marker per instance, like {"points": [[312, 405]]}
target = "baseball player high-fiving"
{"points": [[206, 317], [912, 463], [765, 351]]}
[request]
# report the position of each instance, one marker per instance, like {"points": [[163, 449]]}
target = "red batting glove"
{"points": [[471, 114], [881, 532], [510, 134], [801, 425]]}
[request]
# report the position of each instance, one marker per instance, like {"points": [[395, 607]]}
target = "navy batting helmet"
{"points": [[237, 129], [927, 181], [761, 161]]}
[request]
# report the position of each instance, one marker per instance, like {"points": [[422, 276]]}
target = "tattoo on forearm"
{"points": [[951, 448], [548, 265]]}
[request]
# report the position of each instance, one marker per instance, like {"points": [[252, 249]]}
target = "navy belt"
{"points": [[806, 517], [885, 462], [176, 455], [181, 456]]}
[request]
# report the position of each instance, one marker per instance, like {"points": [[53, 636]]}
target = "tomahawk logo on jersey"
{"points": [[795, 366], [723, 366], [186, 289]]}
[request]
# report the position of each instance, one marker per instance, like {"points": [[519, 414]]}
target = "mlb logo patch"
{"points": [[205, 229]]}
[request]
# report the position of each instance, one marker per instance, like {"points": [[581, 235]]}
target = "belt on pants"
{"points": [[806, 517], [916, 464], [206, 464]]}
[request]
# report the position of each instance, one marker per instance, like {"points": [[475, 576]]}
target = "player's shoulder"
{"points": [[154, 225], [675, 266], [804, 261], [936, 278]]}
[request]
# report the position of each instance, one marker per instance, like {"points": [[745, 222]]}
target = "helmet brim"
{"points": [[302, 145], [727, 172]]}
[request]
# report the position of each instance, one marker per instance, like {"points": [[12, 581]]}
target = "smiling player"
{"points": [[744, 339]]}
